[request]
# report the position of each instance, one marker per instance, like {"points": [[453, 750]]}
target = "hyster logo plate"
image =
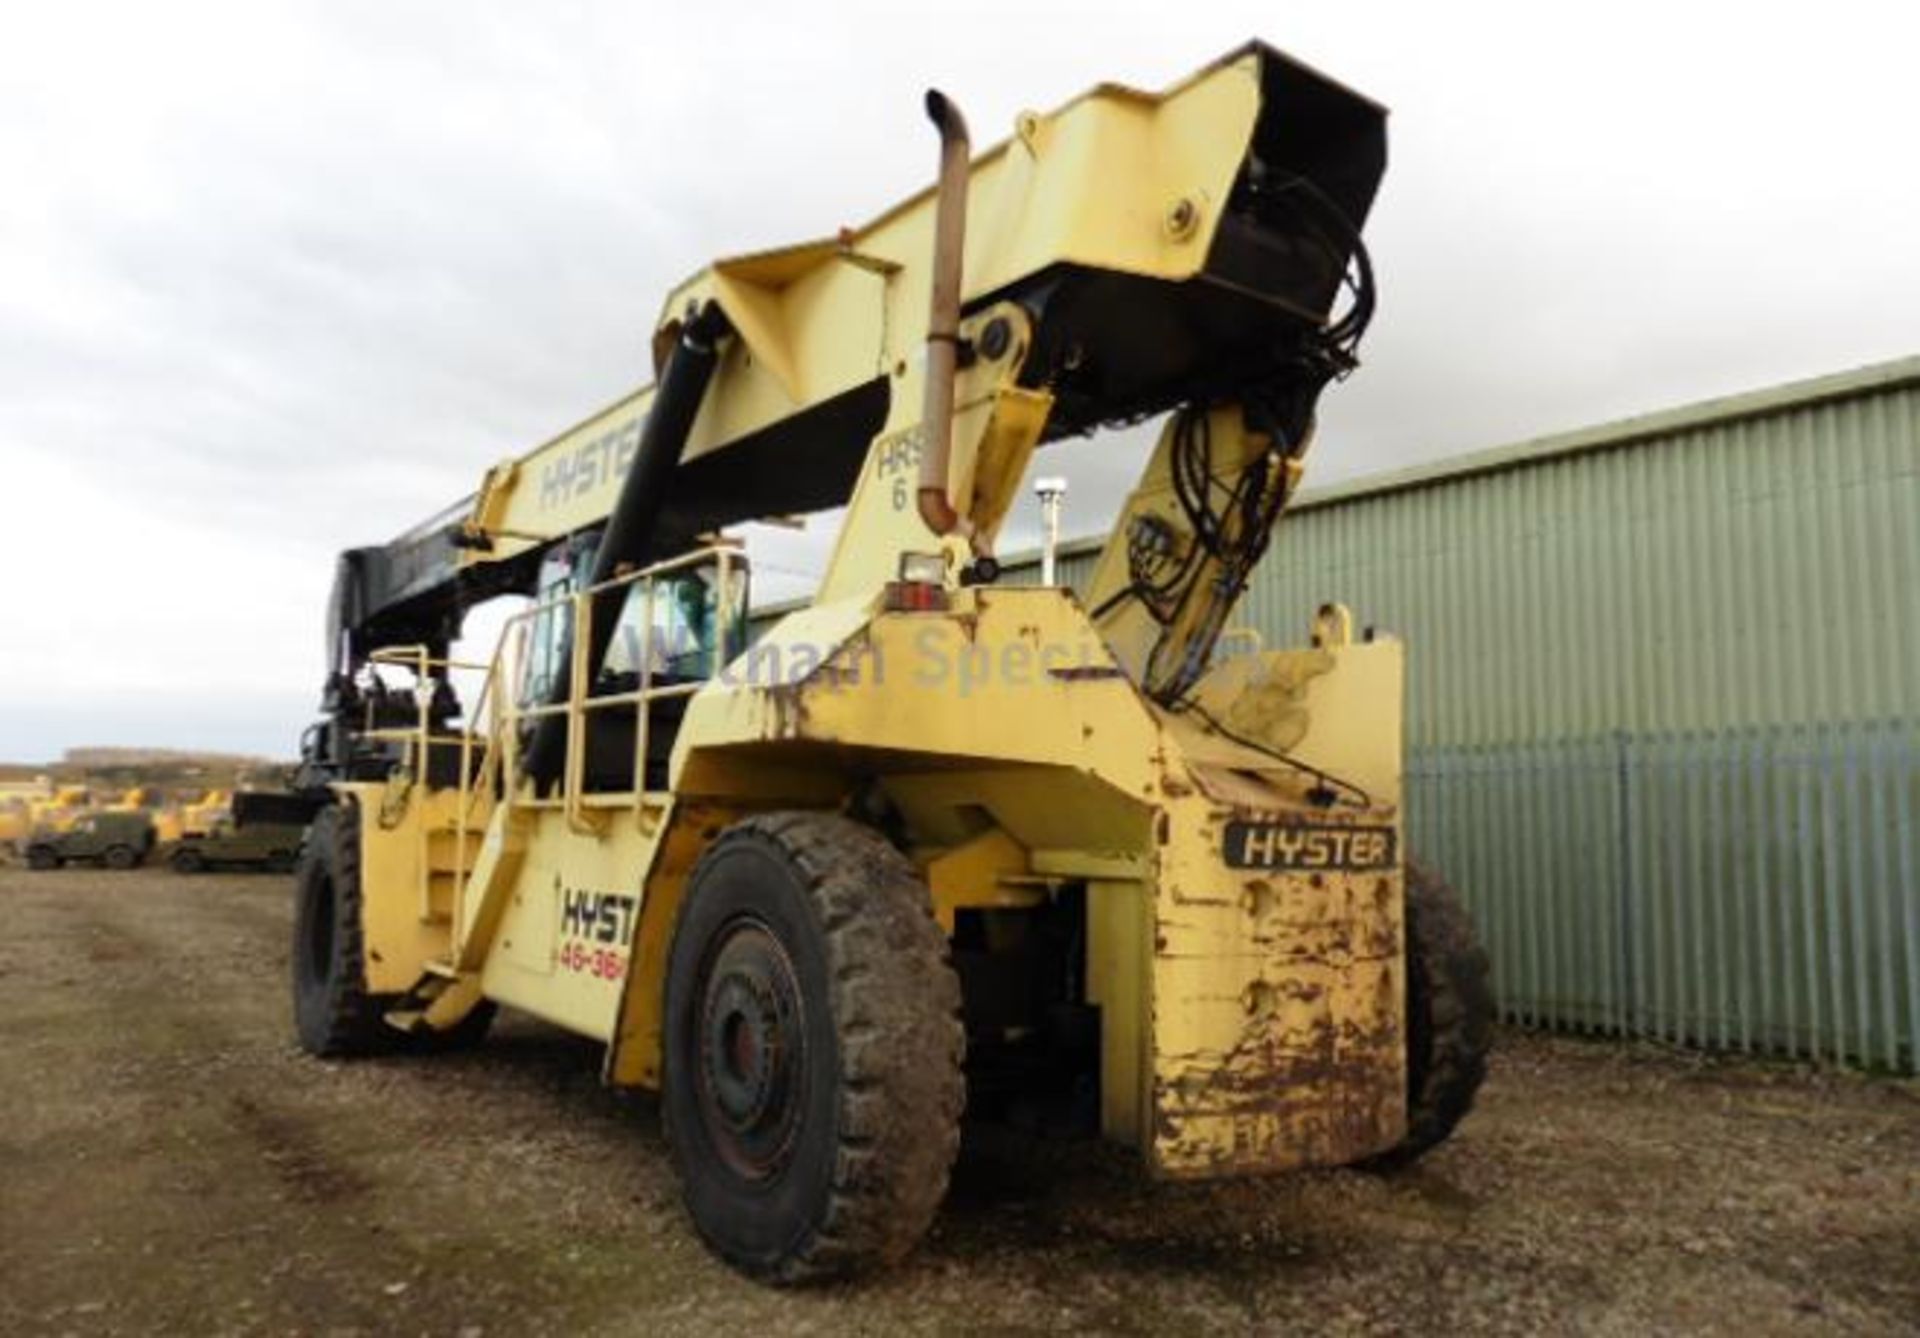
{"points": [[1286, 846], [589, 920]]}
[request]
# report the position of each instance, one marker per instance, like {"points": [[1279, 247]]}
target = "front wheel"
{"points": [[42, 858], [812, 1049], [333, 1012]]}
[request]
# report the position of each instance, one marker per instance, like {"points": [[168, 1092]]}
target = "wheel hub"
{"points": [[752, 1049]]}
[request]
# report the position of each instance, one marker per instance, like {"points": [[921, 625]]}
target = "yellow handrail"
{"points": [[501, 709], [579, 701], [419, 741]]}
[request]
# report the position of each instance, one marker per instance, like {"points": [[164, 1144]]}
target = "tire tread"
{"points": [[896, 1005], [353, 1022], [1449, 977]]}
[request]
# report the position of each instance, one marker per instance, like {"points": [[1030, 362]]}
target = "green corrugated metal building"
{"points": [[1747, 561], [1664, 706]]}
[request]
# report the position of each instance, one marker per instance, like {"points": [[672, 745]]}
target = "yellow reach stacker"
{"points": [[929, 843]]}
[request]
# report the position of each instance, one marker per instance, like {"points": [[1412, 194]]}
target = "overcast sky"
{"points": [[279, 278]]}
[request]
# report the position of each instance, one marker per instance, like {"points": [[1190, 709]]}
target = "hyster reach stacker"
{"points": [[929, 842]]}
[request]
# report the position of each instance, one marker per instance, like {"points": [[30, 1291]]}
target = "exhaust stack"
{"points": [[943, 319]]}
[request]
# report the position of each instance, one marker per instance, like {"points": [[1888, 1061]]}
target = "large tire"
{"points": [[120, 857], [187, 860], [813, 1049], [1449, 1017], [42, 858], [333, 1013]]}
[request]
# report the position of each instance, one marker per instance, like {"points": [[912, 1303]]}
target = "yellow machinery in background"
{"points": [[164, 815], [16, 824], [53, 811], [39, 808], [58, 812], [17, 799], [929, 842], [202, 815], [167, 824]]}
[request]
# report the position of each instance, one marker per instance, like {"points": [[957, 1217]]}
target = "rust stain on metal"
{"points": [[1313, 1070], [1282, 1097], [1257, 897]]}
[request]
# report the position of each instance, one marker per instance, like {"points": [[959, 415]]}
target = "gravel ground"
{"points": [[169, 1162]]}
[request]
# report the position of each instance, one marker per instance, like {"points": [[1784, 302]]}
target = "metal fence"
{"points": [[1751, 890]]}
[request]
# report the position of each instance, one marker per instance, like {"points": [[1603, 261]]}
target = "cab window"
{"points": [[547, 638], [690, 612]]}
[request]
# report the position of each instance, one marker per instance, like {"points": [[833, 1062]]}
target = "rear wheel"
{"points": [[813, 1045], [42, 857], [187, 860], [1449, 1017], [333, 1012]]}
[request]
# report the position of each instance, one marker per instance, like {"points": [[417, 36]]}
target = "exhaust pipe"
{"points": [[943, 320]]}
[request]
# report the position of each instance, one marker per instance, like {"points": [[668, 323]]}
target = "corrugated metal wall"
{"points": [[1664, 695], [1750, 889], [1664, 707], [1756, 570]]}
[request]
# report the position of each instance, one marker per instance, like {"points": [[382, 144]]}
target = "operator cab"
{"points": [[676, 630]]}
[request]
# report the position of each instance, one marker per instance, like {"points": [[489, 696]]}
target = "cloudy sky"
{"points": [[280, 278]]}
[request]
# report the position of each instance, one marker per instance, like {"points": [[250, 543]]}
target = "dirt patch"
{"points": [[293, 1155], [169, 1162]]}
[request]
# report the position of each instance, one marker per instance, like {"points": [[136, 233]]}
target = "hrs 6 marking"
{"points": [[595, 929], [898, 463]]}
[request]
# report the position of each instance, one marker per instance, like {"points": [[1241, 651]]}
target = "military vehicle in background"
{"points": [[117, 840], [263, 832]]}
